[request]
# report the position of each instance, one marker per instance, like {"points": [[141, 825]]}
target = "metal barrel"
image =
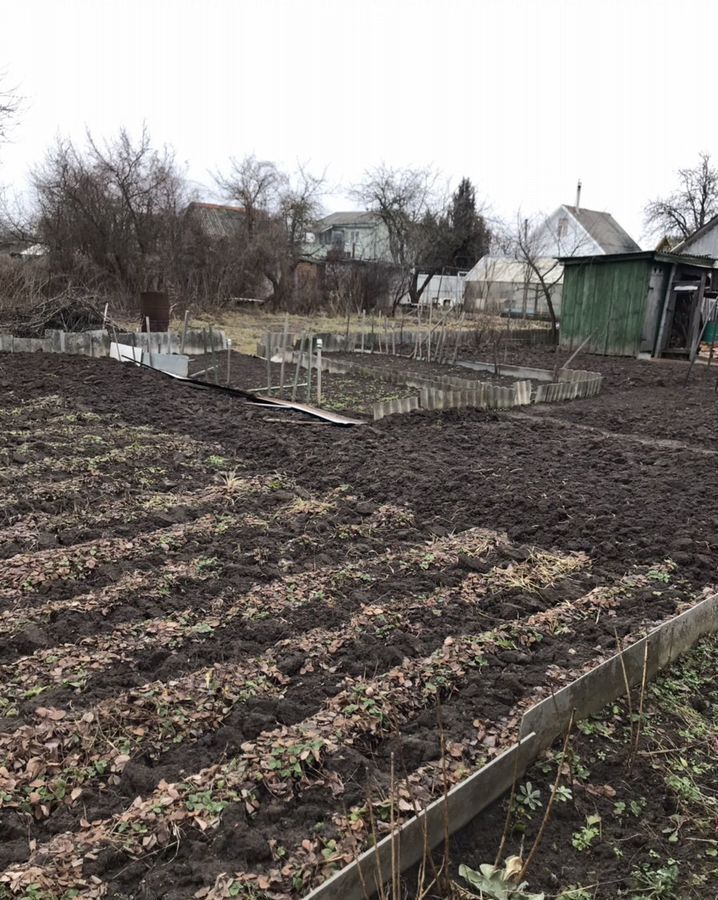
{"points": [[155, 306]]}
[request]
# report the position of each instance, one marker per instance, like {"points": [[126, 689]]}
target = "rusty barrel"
{"points": [[155, 305]]}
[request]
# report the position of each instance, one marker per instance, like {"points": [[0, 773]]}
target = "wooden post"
{"points": [[149, 340], [229, 358], [268, 355], [297, 367], [310, 341], [319, 371], [184, 330], [428, 337], [283, 351]]}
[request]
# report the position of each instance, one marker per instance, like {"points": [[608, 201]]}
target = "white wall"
{"points": [[705, 245], [561, 235]]}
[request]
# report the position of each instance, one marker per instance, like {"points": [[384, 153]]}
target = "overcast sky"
{"points": [[522, 96]]}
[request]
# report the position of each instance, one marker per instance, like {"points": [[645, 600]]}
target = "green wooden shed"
{"points": [[624, 304]]}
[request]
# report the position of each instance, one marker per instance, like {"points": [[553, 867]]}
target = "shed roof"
{"points": [[682, 259], [604, 229]]}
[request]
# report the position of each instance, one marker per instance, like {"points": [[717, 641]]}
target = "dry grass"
{"points": [[247, 327]]}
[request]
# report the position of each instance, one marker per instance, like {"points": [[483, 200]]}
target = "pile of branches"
{"points": [[67, 311]]}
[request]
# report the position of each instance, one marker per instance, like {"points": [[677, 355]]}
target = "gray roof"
{"points": [[352, 218], [605, 230]]}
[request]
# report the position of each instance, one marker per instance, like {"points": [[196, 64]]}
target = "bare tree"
{"points": [[528, 249], [280, 210], [690, 206], [9, 108], [538, 243], [413, 215], [108, 213], [253, 183]]}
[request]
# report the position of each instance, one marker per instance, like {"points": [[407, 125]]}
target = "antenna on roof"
{"points": [[578, 195]]}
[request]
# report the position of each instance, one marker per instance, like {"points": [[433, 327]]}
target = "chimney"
{"points": [[578, 195]]}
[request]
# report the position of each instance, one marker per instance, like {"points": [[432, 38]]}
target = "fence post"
{"points": [[319, 371]]}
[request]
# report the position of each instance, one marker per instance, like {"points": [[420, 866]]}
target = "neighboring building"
{"points": [[505, 284], [441, 290], [351, 235], [630, 303], [217, 220], [703, 242], [572, 231]]}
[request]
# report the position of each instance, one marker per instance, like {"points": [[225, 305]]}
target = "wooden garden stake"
{"points": [[644, 678], [549, 805], [319, 371], [283, 351], [213, 355], [229, 358], [428, 337], [184, 330], [297, 367], [310, 341], [268, 354]]}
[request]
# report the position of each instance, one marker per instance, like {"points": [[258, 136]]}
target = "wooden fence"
{"points": [[402, 341]]}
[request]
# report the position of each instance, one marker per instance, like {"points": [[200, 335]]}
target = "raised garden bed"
{"points": [[251, 629]]}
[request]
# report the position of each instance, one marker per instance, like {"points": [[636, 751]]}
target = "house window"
{"points": [[562, 226]]}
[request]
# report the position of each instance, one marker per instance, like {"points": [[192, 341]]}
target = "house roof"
{"points": [[604, 230], [692, 238], [218, 220], [353, 217]]}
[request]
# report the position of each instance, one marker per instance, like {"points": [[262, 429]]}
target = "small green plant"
{"points": [[499, 884], [563, 794], [586, 836], [529, 797], [656, 884], [217, 462], [575, 893]]}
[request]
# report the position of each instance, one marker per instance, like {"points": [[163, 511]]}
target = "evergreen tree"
{"points": [[470, 234]]}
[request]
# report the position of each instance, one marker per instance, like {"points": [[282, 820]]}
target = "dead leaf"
{"points": [[512, 867]]}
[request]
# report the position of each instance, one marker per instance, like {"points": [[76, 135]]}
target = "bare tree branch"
{"points": [[690, 206]]}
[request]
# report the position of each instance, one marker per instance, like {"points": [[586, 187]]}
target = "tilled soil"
{"points": [[351, 393], [342, 564]]}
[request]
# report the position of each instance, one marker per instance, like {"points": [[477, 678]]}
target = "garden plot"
{"points": [[634, 806], [352, 392], [212, 692]]}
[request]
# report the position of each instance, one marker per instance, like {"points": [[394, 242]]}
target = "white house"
{"points": [[508, 284], [357, 234], [703, 242]]}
